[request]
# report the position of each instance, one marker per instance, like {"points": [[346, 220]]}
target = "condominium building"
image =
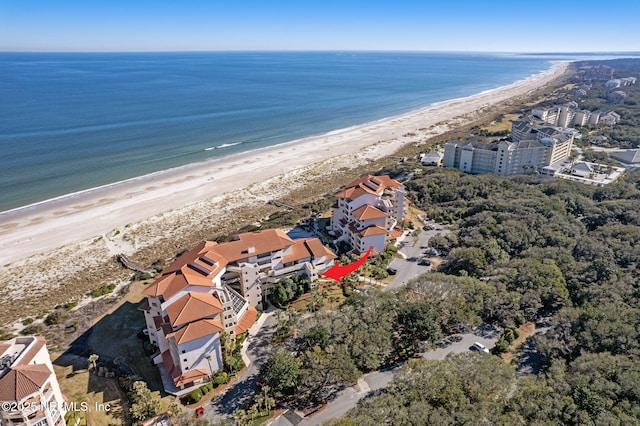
{"points": [[215, 288], [29, 390], [368, 212], [509, 158], [568, 115]]}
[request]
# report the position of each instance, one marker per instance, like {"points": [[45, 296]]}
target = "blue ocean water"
{"points": [[73, 121]]}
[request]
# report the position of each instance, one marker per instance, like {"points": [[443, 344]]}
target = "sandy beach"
{"points": [[59, 250], [46, 226]]}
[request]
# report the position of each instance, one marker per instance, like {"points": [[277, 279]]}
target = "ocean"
{"points": [[74, 121]]}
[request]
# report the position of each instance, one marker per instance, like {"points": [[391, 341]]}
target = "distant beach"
{"points": [[42, 227]]}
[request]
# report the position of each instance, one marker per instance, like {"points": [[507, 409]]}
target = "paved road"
{"points": [[260, 347], [369, 383]]}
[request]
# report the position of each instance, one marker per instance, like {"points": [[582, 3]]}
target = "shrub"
{"points": [[27, 321], [54, 318], [196, 395], [70, 305], [141, 276], [206, 388], [220, 378], [32, 329], [101, 291]]}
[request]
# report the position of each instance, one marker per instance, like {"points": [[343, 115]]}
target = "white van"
{"points": [[477, 346]]}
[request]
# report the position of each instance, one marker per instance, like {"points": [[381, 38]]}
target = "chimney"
{"points": [[251, 249]]}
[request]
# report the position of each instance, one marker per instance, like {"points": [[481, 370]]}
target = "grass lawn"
{"points": [[526, 330], [78, 385], [333, 291], [413, 213], [115, 334], [504, 124]]}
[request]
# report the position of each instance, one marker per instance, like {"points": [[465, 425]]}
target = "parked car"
{"points": [[479, 347], [392, 271], [456, 338]]}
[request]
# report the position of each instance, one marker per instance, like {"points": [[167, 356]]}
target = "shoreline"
{"points": [[6, 214], [49, 224]]}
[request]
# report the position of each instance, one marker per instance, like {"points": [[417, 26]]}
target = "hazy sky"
{"points": [[142, 25]]}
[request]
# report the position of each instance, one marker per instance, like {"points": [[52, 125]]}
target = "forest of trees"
{"points": [[525, 249], [521, 249]]}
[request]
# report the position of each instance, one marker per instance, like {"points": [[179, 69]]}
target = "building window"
{"points": [[184, 352], [184, 360]]}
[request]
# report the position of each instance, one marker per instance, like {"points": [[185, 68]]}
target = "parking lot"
{"points": [[412, 249], [485, 335]]}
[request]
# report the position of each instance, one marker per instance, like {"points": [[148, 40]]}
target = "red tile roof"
{"points": [[22, 381], [176, 373], [307, 248], [246, 321], [171, 369], [197, 330], [317, 249], [144, 306], [193, 306], [200, 265], [190, 376], [368, 184], [396, 232], [373, 230], [367, 212]]}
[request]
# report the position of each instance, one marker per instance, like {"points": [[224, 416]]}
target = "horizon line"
{"points": [[597, 52]]}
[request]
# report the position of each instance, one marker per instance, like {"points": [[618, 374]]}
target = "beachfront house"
{"points": [[215, 288], [29, 390], [368, 213]]}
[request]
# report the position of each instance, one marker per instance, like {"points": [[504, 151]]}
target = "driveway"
{"points": [[413, 250], [259, 349], [345, 401]]}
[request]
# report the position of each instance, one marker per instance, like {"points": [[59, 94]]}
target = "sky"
{"points": [[427, 25]]}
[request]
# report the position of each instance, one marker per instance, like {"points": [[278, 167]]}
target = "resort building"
{"points": [[215, 288], [570, 114], [506, 158], [626, 156], [368, 212], [431, 158], [28, 385]]}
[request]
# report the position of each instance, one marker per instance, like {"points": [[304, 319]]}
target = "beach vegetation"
{"points": [[54, 318], [103, 290], [30, 330], [70, 305]]}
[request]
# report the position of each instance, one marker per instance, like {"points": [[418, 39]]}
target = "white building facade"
{"points": [[216, 288], [368, 213]]}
